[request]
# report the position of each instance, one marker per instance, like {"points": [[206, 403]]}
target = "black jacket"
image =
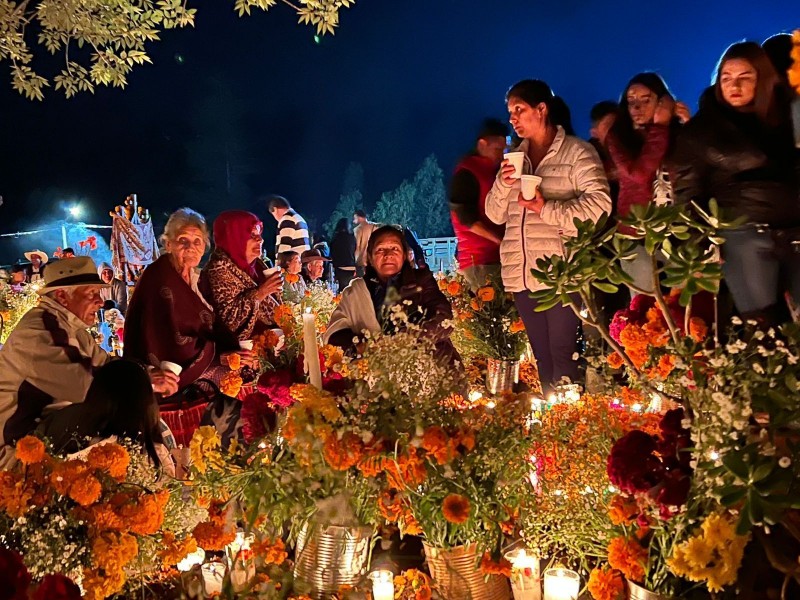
{"points": [[343, 249], [750, 168]]}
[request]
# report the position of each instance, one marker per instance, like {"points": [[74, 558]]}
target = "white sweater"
{"points": [[573, 184]]}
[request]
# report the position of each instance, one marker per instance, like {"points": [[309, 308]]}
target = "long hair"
{"points": [[623, 130], [535, 91], [342, 226], [771, 99]]}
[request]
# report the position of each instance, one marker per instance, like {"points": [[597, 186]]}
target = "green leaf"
{"points": [[734, 463]]}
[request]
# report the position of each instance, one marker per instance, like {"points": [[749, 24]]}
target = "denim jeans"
{"points": [[755, 276]]}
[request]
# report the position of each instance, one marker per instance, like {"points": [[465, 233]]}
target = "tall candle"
{"points": [[382, 585], [561, 584], [310, 349]]}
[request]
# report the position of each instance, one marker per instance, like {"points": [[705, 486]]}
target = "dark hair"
{"points": [[109, 305], [18, 268], [779, 49], [602, 109], [387, 230], [492, 128], [68, 249], [771, 101], [623, 130], [284, 258], [536, 91], [360, 213], [277, 202], [342, 226]]}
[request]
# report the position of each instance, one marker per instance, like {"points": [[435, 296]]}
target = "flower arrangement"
{"points": [[794, 71], [14, 303], [486, 322]]}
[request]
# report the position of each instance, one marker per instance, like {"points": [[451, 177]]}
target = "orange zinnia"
{"points": [[456, 508], [486, 293]]}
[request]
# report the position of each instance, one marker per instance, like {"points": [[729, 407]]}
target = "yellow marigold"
{"points": [[486, 293], [111, 458], [456, 509], [99, 586], [30, 450], [213, 537], [204, 441], [231, 384], [517, 326], [333, 355], [629, 557], [606, 584], [454, 288], [174, 550], [85, 490]]}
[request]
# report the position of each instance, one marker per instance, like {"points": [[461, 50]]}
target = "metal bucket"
{"points": [[330, 556], [456, 575], [501, 375], [637, 592]]}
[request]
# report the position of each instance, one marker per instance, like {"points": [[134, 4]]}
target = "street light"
{"points": [[75, 210]]}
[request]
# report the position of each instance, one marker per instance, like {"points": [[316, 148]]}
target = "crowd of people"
{"points": [[185, 319]]}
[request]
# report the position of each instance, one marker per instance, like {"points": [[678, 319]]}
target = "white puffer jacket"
{"points": [[573, 184]]}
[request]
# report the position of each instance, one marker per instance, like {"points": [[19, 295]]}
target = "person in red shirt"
{"points": [[479, 239]]}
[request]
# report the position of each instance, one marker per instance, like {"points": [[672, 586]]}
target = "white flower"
{"points": [[785, 462], [758, 368]]}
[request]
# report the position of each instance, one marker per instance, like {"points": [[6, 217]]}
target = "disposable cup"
{"points": [[171, 367], [530, 183], [518, 160], [268, 272], [245, 344]]}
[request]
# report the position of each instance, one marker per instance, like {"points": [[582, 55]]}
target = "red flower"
{"points": [[258, 417], [14, 575], [632, 465], [57, 587], [276, 384]]}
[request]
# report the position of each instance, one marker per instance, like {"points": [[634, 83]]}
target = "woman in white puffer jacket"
{"points": [[574, 185]]}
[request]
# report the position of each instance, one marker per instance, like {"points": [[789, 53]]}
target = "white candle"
{"points": [[525, 581], [561, 584], [310, 349], [213, 576], [382, 585], [190, 560]]}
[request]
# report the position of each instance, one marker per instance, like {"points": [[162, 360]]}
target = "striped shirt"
{"points": [[292, 233]]}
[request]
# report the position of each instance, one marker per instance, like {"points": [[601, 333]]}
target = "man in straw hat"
{"points": [[35, 271], [55, 380]]}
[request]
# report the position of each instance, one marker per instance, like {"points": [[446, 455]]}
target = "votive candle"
{"points": [[382, 585], [561, 584]]}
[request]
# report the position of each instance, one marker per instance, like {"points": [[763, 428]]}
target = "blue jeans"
{"points": [[755, 276]]}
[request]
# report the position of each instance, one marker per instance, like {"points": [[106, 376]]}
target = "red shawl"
{"points": [[232, 231], [167, 320]]}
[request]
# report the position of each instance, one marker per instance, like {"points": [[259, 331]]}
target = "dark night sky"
{"points": [[401, 79]]}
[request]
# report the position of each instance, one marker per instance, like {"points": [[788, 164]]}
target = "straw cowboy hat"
{"points": [[42, 255], [69, 273]]}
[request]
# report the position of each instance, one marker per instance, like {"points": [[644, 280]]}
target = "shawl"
{"points": [[232, 231], [167, 320]]}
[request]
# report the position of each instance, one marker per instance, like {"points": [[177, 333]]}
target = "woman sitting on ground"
{"points": [[389, 279], [234, 282]]}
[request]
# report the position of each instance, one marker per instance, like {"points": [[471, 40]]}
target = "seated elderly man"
{"points": [[56, 381]]}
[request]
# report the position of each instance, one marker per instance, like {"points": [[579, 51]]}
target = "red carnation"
{"points": [[632, 465], [258, 416], [276, 384], [57, 587], [14, 575]]}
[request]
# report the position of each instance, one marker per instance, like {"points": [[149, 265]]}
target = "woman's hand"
{"points": [[247, 358], [664, 111], [535, 204], [682, 112], [272, 285], [507, 171], [164, 382]]}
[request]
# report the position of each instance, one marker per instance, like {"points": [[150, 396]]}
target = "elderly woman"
{"points": [[390, 279], [169, 320], [236, 283]]}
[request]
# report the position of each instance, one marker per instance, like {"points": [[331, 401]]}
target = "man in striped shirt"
{"points": [[292, 228]]}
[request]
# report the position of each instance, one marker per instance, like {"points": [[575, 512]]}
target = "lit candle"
{"points": [[561, 584], [213, 576], [310, 349], [190, 560], [382, 585], [525, 581]]}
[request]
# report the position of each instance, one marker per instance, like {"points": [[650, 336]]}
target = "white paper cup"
{"points": [[518, 160], [268, 272], [171, 367], [245, 344], [530, 183]]}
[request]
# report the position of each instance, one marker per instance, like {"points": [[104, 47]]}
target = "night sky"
{"points": [[257, 98]]}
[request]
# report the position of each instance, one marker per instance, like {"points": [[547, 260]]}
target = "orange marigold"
{"points": [[145, 514], [234, 361], [271, 339], [291, 277], [442, 283], [622, 510], [174, 550], [476, 305], [341, 454], [486, 293], [371, 466], [212, 537], [627, 556], [437, 443], [272, 551], [99, 586], [606, 584], [231, 384], [615, 360], [492, 567], [85, 490], [409, 524], [390, 505], [15, 495], [30, 450], [698, 330], [112, 551], [456, 509], [454, 288], [517, 326], [111, 458]]}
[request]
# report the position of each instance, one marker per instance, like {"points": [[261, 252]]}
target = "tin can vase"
{"points": [[637, 592], [501, 375], [456, 575], [330, 556]]}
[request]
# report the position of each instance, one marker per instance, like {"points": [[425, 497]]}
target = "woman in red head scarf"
{"points": [[236, 282]]}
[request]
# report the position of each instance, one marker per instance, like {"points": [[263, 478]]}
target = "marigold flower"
{"points": [[234, 361], [145, 515], [615, 360], [629, 557], [409, 524], [212, 537], [85, 490], [112, 551], [205, 440], [454, 288], [492, 567], [291, 277], [99, 586], [231, 384], [341, 454], [456, 509], [485, 294], [30, 450], [517, 326], [606, 584], [622, 510], [437, 443], [272, 551], [476, 305], [111, 458], [698, 330], [271, 339]]}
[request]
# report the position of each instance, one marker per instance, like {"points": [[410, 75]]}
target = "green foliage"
{"points": [[102, 41]]}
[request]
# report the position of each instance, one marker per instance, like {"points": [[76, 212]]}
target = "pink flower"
{"points": [[276, 384]]}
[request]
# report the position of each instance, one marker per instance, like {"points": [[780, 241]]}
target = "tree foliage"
{"points": [[102, 40], [419, 204], [351, 198]]}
